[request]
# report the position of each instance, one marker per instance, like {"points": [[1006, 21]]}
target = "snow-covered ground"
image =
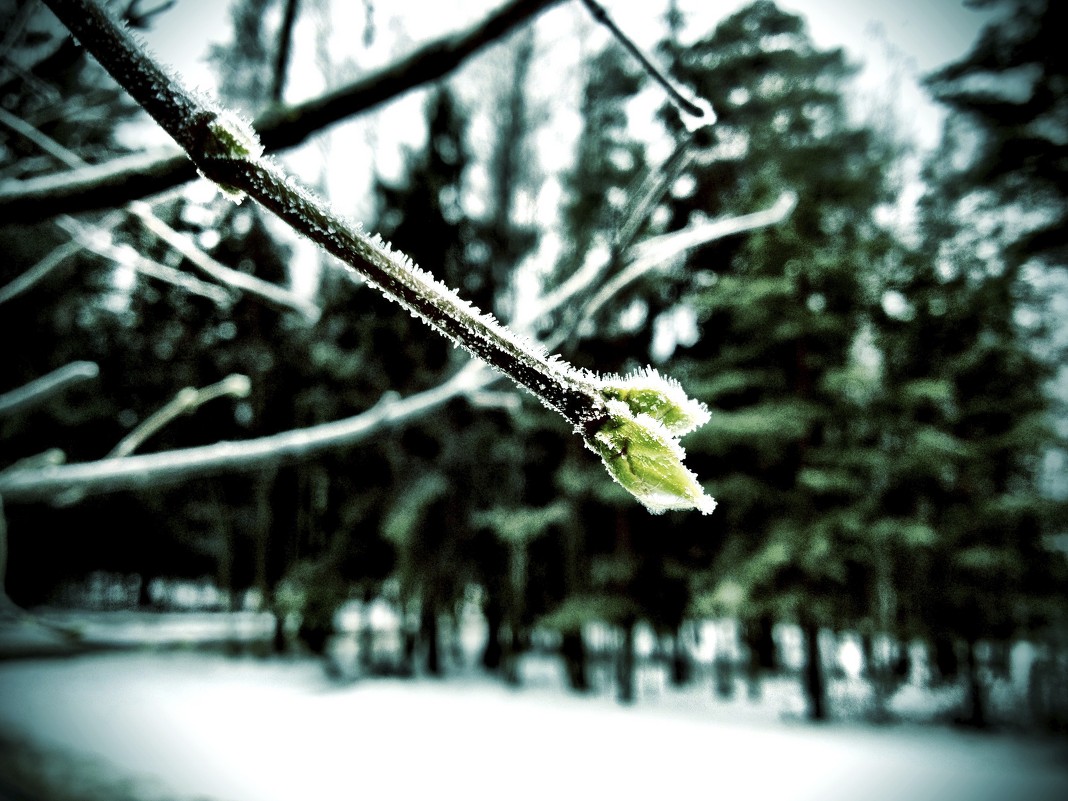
{"points": [[193, 725]]}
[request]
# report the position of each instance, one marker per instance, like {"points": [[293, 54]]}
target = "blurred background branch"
{"points": [[43, 388], [137, 176]]}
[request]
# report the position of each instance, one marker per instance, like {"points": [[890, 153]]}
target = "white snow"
{"points": [[204, 726]]}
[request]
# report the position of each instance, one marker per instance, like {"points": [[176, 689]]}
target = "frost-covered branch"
{"points": [[647, 256], [632, 423], [137, 176], [697, 112], [149, 470], [236, 279], [187, 400], [91, 240], [658, 251], [178, 241], [40, 389], [49, 262]]}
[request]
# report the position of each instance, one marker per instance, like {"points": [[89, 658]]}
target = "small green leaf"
{"points": [[663, 399], [640, 453]]}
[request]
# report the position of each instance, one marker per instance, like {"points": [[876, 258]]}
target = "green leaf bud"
{"points": [[642, 456], [661, 398]]}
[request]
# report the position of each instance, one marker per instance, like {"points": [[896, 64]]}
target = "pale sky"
{"points": [[897, 39], [927, 32]]}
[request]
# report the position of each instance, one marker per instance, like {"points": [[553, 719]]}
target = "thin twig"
{"points": [[175, 239], [49, 262], [285, 44], [149, 470], [185, 401], [40, 389], [658, 251], [137, 176], [650, 192], [219, 271], [700, 111], [86, 239]]}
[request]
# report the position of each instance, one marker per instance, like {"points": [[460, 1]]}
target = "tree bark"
{"points": [[573, 651], [946, 662], [681, 668], [814, 678], [974, 713], [625, 665], [428, 632], [492, 653]]}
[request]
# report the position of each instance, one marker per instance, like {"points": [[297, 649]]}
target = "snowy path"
{"points": [[201, 726]]}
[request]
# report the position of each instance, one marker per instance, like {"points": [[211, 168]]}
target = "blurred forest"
{"points": [[886, 444]]}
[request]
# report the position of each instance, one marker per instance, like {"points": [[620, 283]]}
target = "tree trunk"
{"points": [[974, 714], [279, 643], [573, 651], [625, 665], [428, 631], [946, 662], [759, 637], [492, 653], [144, 597], [814, 679], [366, 638], [681, 668], [510, 656], [723, 678]]}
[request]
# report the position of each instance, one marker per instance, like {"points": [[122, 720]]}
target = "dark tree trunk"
{"points": [[946, 662], [681, 668], [493, 653], [868, 667], [625, 665], [723, 678], [763, 656], [144, 597], [428, 631], [974, 713], [760, 637], [407, 663], [814, 679], [510, 657], [573, 651], [366, 640]]}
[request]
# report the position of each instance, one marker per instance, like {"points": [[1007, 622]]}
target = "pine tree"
{"points": [[780, 313], [966, 372]]}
